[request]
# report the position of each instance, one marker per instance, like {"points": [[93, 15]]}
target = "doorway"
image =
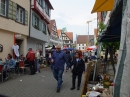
{"points": [[20, 44]]}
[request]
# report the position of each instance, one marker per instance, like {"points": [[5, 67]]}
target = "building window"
{"points": [[20, 14], [66, 38], [40, 2], [66, 41], [44, 28], [36, 20], [82, 44], [39, 46], [82, 47], [47, 9], [79, 44], [3, 7], [79, 48]]}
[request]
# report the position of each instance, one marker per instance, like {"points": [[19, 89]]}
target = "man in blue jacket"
{"points": [[58, 61]]}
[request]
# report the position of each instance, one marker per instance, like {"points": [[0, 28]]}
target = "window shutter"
{"points": [[10, 10], [33, 19], [14, 11], [26, 17]]}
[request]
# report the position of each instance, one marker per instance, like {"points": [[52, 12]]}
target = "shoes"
{"points": [[31, 74], [58, 90], [37, 72], [4, 79], [78, 88], [72, 88]]}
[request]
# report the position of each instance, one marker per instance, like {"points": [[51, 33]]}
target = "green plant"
{"points": [[102, 26], [44, 32], [36, 27]]}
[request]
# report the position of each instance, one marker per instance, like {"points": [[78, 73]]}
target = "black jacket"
{"points": [[79, 66]]}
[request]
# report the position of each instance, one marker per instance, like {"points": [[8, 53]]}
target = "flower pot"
{"points": [[106, 84]]}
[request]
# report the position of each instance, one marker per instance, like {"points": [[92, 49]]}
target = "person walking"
{"points": [[68, 58], [78, 70], [37, 56], [31, 60], [58, 61]]}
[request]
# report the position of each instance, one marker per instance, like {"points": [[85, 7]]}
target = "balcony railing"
{"points": [[39, 10]]}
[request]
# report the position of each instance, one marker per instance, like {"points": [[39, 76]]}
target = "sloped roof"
{"points": [[82, 39], [50, 5], [70, 35], [51, 25], [59, 32]]}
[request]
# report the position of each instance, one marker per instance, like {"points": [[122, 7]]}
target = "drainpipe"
{"points": [[29, 21]]}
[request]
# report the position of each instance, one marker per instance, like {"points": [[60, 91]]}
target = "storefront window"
{"points": [[40, 46]]}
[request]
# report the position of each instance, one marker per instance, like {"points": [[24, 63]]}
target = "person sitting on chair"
{"points": [[9, 65], [22, 58]]}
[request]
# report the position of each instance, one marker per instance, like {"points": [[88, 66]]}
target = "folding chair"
{"points": [[21, 66], [1, 71]]}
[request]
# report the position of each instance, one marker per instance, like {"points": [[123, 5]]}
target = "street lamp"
{"points": [[88, 28], [88, 31]]}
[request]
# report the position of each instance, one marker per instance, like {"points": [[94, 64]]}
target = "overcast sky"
{"points": [[73, 14]]}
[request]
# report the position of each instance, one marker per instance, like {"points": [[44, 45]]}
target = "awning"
{"points": [[112, 32], [103, 5]]}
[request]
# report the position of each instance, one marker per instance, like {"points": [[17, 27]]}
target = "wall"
{"points": [[37, 33], [32, 43], [11, 25], [7, 40], [77, 47]]}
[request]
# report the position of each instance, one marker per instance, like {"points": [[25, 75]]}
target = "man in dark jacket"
{"points": [[58, 61], [78, 69], [31, 60]]}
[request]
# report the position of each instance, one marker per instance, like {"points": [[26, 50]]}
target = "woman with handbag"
{"points": [[78, 70]]}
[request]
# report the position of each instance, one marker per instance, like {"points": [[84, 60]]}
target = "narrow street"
{"points": [[38, 85]]}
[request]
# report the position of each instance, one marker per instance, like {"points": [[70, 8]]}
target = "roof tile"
{"points": [[82, 39], [70, 35]]}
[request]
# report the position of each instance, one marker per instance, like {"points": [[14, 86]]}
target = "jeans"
{"points": [[37, 65], [17, 58], [58, 76]]}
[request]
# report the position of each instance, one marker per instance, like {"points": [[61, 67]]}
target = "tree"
{"points": [[110, 47], [102, 26]]}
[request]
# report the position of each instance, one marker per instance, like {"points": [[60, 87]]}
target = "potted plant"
{"points": [[44, 32], [36, 27]]}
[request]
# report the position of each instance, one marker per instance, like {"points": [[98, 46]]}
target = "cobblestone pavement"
{"points": [[38, 85]]}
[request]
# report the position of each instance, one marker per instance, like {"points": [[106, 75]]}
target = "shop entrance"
{"points": [[20, 44]]}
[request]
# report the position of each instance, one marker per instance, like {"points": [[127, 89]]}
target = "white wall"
{"points": [[32, 43], [81, 46]]}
